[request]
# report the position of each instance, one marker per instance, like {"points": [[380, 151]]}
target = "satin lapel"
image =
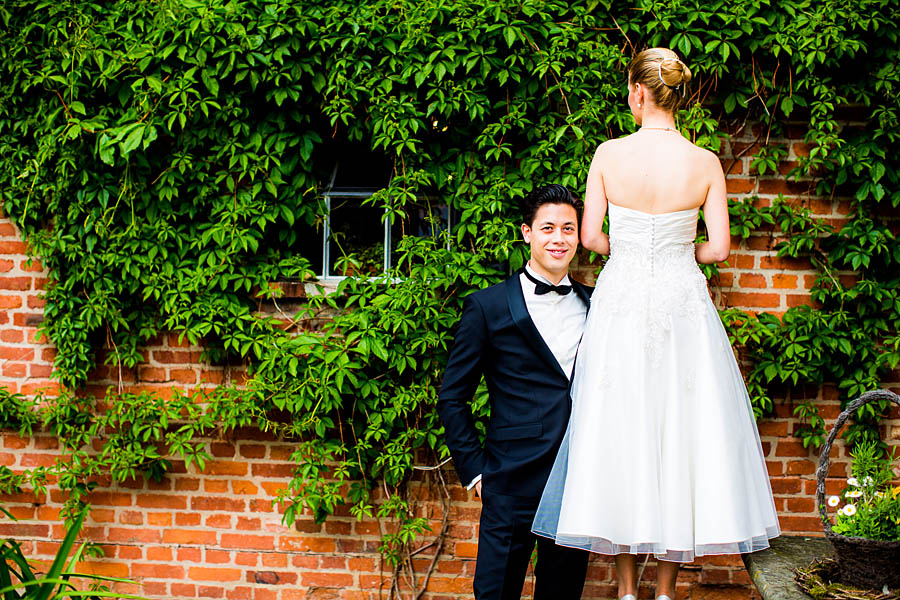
{"points": [[582, 292], [523, 321], [585, 296]]}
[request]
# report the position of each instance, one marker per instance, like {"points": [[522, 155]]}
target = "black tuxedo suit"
{"points": [[530, 406]]}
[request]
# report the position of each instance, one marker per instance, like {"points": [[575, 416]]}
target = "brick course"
{"points": [[216, 533]]}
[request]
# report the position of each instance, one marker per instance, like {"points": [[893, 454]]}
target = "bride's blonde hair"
{"points": [[664, 74]]}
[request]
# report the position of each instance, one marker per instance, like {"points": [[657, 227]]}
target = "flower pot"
{"points": [[866, 563], [862, 562]]}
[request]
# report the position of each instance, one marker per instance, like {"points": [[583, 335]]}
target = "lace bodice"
{"points": [[652, 270]]}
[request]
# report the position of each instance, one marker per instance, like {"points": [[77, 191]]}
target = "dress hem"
{"points": [[606, 547]]}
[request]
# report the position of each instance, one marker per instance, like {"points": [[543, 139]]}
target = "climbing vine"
{"points": [[168, 161]]}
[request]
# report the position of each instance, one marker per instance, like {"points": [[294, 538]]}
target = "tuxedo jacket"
{"points": [[528, 392]]}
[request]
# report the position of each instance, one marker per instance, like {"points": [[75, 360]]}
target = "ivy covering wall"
{"points": [[167, 161]]}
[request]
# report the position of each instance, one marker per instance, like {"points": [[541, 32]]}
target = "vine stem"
{"points": [[442, 536], [120, 384], [433, 468], [65, 106], [552, 74], [625, 35], [742, 153]]}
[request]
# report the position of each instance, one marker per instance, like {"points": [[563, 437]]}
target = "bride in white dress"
{"points": [[662, 455]]}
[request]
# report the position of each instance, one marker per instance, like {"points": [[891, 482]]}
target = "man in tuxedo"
{"points": [[521, 335]]}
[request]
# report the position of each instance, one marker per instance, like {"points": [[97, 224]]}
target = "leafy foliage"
{"points": [[167, 161], [872, 508], [19, 581]]}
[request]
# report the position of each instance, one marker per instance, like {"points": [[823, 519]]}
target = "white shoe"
{"points": [[628, 597], [663, 597]]}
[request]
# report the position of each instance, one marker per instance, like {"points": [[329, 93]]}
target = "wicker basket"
{"points": [[862, 562]]}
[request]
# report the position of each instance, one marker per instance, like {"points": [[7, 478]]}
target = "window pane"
{"points": [[309, 244], [425, 218], [356, 245], [428, 220], [361, 169]]}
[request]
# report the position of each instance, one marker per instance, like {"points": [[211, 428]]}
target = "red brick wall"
{"points": [[215, 534]]}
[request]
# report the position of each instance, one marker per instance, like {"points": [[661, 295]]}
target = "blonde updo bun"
{"points": [[664, 74]]}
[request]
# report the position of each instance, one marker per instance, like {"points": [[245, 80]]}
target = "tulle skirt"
{"points": [[662, 455]]}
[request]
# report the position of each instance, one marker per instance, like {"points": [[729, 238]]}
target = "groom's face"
{"points": [[553, 237]]}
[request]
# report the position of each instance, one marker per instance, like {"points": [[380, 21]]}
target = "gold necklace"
{"points": [[659, 128]]}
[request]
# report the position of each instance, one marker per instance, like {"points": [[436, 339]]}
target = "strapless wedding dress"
{"points": [[662, 455]]}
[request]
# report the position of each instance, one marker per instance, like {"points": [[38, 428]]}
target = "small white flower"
{"points": [[841, 511], [834, 501], [879, 494], [850, 510], [867, 481], [854, 493], [852, 481]]}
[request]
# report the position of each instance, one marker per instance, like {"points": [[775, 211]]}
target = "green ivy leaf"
{"points": [[133, 139]]}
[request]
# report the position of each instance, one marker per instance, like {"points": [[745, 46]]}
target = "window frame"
{"points": [[361, 193], [326, 274]]}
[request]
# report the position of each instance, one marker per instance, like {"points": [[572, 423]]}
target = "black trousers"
{"points": [[505, 544]]}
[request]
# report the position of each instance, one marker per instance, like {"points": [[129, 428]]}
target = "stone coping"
{"points": [[772, 570]]}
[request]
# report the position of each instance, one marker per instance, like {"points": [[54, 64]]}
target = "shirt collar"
{"points": [[533, 273]]}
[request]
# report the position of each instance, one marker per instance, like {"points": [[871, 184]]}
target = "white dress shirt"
{"points": [[559, 319]]}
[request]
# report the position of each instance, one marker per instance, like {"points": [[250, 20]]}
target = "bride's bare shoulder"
{"points": [[610, 146], [708, 158]]}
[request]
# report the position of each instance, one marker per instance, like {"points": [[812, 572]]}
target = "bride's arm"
{"points": [[715, 213], [592, 236]]}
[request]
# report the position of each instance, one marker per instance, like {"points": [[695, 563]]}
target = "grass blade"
{"points": [[51, 581], [5, 579], [70, 593], [14, 553], [81, 594]]}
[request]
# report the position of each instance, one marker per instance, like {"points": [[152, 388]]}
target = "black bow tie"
{"points": [[541, 288]]}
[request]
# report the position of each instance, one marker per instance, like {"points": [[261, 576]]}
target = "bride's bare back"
{"points": [[655, 171]]}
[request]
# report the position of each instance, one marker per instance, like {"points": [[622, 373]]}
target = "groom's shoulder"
{"points": [[589, 289], [492, 294]]}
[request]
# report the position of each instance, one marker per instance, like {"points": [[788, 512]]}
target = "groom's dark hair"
{"points": [[548, 194]]}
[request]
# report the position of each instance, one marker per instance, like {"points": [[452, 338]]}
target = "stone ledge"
{"points": [[772, 570]]}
